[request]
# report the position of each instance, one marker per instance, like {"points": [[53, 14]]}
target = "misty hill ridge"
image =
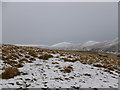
{"points": [[62, 44], [104, 46], [90, 43]]}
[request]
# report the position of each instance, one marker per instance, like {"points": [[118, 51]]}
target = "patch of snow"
{"points": [[44, 74], [89, 43], [62, 44]]}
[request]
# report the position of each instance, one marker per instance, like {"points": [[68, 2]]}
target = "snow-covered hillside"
{"points": [[63, 44], [66, 46], [103, 46], [32, 67], [45, 74], [89, 43]]}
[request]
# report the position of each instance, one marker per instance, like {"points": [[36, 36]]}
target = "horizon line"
{"points": [[59, 0]]}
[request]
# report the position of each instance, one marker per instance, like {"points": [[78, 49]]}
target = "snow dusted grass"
{"points": [[43, 74], [42, 68]]}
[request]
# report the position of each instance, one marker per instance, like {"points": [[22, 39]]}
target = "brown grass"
{"points": [[67, 69], [33, 53], [55, 63], [45, 56], [98, 65], [70, 56], [68, 60], [10, 72], [19, 65], [57, 57], [62, 54], [27, 56], [12, 52], [32, 59], [23, 60], [11, 62]]}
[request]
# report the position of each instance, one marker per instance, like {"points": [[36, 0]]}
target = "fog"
{"points": [[50, 23]]}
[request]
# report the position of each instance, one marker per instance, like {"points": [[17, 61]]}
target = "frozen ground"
{"points": [[39, 72], [44, 74]]}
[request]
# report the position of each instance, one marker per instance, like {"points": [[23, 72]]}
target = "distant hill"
{"points": [[103, 46]]}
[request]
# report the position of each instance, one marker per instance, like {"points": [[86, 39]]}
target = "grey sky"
{"points": [[0, 22], [50, 23]]}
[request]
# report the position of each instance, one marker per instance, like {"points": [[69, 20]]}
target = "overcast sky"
{"points": [[50, 23]]}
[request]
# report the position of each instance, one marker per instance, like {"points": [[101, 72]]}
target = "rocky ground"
{"points": [[33, 67]]}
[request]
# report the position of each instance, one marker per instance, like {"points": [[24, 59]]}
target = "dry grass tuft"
{"points": [[68, 60], [11, 62], [118, 55], [33, 53], [67, 69], [57, 57], [62, 54], [55, 63], [46, 56], [32, 59], [98, 65], [27, 56], [23, 60], [19, 65], [69, 56], [10, 72], [12, 52]]}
